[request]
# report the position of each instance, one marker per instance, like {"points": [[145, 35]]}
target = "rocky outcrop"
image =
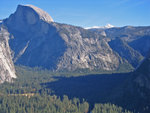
{"points": [[7, 70]]}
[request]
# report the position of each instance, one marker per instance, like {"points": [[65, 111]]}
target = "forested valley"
{"points": [[42, 91]]}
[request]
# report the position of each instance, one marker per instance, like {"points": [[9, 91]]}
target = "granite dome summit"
{"points": [[29, 14], [42, 14]]}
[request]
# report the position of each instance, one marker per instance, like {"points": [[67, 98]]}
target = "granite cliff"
{"points": [[7, 70]]}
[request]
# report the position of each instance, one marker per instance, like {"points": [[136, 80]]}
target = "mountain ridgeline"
{"points": [[37, 41]]}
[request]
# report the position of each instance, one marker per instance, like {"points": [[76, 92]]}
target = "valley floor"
{"points": [[35, 91]]}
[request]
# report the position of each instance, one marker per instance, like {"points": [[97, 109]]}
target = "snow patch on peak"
{"points": [[94, 27], [42, 14], [109, 26], [101, 27]]}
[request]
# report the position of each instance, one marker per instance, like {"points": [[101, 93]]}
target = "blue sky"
{"points": [[88, 13]]}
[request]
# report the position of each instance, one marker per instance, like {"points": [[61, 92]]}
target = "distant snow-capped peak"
{"points": [[109, 26], [101, 27]]}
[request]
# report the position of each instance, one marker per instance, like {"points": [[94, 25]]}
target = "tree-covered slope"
{"points": [[30, 93]]}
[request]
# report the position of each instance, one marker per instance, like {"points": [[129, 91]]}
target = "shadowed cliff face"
{"points": [[143, 73], [134, 92], [7, 70], [137, 38], [43, 43], [138, 86], [125, 51]]}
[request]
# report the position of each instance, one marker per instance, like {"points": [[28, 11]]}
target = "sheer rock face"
{"points": [[7, 70], [42, 14], [57, 46]]}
